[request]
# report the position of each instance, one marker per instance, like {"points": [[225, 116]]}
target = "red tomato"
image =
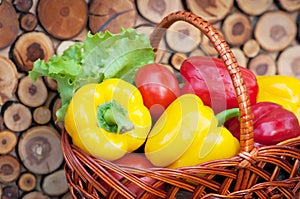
{"points": [[136, 160], [158, 86]]}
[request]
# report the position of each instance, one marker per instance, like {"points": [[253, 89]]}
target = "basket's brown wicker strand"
{"points": [[260, 172], [246, 138]]}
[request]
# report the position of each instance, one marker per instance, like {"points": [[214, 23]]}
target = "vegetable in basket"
{"points": [[99, 56], [188, 134], [283, 90], [158, 86], [208, 78], [109, 119], [272, 124]]}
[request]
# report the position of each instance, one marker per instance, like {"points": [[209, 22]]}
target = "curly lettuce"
{"points": [[100, 56]]}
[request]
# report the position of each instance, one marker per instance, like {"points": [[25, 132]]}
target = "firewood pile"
{"points": [[263, 34]]}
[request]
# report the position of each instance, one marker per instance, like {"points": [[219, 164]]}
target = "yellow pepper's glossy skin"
{"points": [[81, 119], [283, 90], [187, 134]]}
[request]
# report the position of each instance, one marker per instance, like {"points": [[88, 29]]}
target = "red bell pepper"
{"points": [[272, 124], [208, 78]]}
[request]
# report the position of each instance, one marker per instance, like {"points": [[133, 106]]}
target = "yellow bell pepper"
{"points": [[188, 134], [109, 119], [283, 90]]}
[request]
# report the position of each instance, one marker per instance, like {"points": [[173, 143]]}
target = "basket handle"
{"points": [[246, 117]]}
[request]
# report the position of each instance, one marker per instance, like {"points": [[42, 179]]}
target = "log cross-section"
{"points": [[111, 15], [32, 46], [40, 149], [9, 24], [275, 30], [62, 19], [8, 79], [32, 94]]}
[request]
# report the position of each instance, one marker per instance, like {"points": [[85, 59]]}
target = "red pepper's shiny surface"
{"points": [[272, 124], [208, 78]]}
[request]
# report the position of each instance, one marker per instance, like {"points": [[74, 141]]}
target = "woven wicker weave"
{"points": [[256, 172]]}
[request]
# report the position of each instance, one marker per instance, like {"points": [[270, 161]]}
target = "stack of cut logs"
{"points": [[263, 34]]}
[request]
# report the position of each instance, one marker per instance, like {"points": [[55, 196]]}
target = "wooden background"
{"points": [[263, 34]]}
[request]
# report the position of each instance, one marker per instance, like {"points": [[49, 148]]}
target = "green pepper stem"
{"points": [[112, 117], [225, 115]]}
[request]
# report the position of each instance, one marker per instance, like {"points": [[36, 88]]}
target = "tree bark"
{"points": [[8, 79], [17, 117], [40, 149], [32, 46], [62, 19], [9, 24], [10, 169], [32, 94], [211, 11], [8, 141], [289, 62], [275, 30], [111, 15]]}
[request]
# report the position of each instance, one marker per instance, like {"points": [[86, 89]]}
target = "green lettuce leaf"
{"points": [[100, 56]]}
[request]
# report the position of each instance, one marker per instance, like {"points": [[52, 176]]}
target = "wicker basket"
{"points": [[256, 172]]}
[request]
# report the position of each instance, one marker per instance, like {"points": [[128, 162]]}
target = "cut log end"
{"points": [[155, 10], [251, 48], [263, 64], [275, 30], [211, 11], [17, 117], [35, 195], [27, 182], [42, 115], [112, 15], [183, 37], [237, 29], [254, 7], [40, 149], [289, 62], [32, 94], [9, 24], [62, 19], [8, 79], [28, 22], [10, 169], [32, 46], [23, 5], [8, 141], [55, 184]]}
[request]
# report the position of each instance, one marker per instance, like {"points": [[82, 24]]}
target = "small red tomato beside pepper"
{"points": [[208, 78], [272, 124], [158, 86]]}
